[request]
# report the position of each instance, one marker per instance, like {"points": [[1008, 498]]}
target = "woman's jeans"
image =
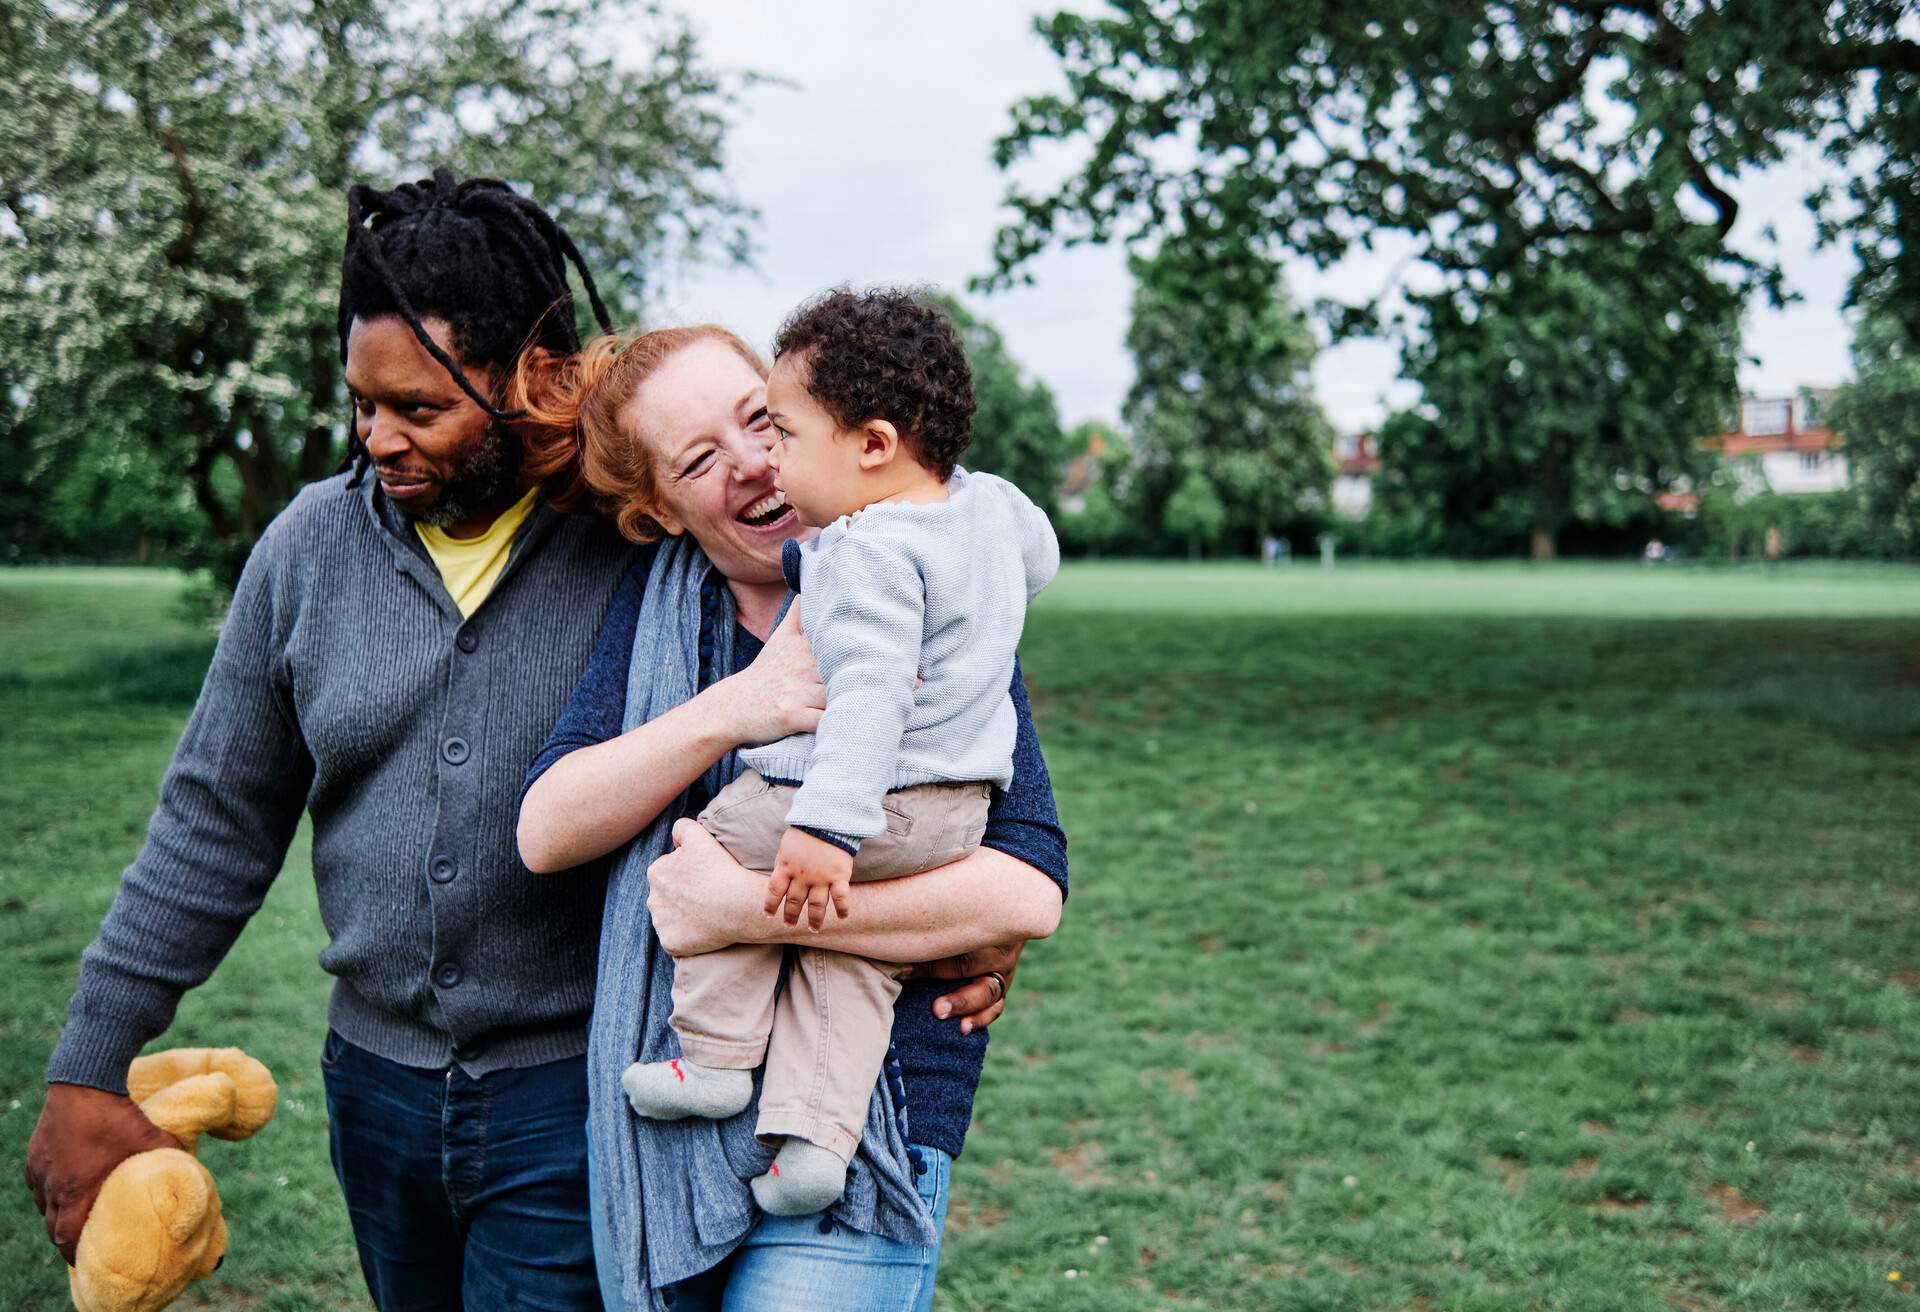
{"points": [[809, 1264], [466, 1195]]}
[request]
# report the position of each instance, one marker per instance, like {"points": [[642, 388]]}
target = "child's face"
{"points": [[815, 463]]}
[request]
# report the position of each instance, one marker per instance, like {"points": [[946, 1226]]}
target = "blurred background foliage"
{"points": [[173, 180], [171, 187]]}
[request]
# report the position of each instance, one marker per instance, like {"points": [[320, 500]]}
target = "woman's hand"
{"points": [[989, 972], [699, 896], [780, 693]]}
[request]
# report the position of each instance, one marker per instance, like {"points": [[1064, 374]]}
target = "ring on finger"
{"points": [[1000, 981]]}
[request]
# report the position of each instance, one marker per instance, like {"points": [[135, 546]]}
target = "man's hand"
{"points": [[82, 1135], [980, 1003], [807, 872]]}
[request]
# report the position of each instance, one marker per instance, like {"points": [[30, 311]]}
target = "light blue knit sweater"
{"points": [[895, 592]]}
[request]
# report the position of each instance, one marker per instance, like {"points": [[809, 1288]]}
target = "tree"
{"points": [[1221, 385], [1878, 416], [1194, 514], [173, 179], [1541, 406], [1318, 125], [1016, 425]]}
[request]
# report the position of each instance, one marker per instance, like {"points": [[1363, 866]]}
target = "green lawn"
{"points": [[1477, 937]]}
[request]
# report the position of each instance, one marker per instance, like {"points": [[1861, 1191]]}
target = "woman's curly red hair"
{"points": [[571, 433]]}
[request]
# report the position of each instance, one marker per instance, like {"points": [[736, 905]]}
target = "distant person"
{"points": [[1656, 551], [668, 434], [1775, 545]]}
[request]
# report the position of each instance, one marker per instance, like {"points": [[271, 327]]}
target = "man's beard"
{"points": [[483, 479]]}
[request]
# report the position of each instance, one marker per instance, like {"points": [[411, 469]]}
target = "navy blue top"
{"points": [[939, 1066]]}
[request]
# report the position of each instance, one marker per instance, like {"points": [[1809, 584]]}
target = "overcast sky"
{"points": [[874, 166]]}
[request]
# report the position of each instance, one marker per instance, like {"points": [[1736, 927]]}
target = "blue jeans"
{"points": [[808, 1264], [466, 1195]]}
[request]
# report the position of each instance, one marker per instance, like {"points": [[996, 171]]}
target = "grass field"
{"points": [[1442, 938]]}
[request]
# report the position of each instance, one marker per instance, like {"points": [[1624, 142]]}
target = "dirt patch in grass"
{"points": [[1907, 979], [1735, 1206], [1080, 1164], [1513, 1177], [1582, 1169], [1596, 1127], [1801, 1053], [962, 1216]]}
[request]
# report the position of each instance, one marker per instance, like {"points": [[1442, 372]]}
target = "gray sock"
{"points": [[670, 1090], [804, 1178]]}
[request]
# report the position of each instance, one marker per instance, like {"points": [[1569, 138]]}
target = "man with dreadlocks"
{"points": [[403, 638]]}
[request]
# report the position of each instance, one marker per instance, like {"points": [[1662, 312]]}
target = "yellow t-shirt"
{"points": [[471, 566]]}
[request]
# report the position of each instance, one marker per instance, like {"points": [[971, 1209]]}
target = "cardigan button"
{"points": [[467, 640], [449, 975], [443, 870], [455, 750]]}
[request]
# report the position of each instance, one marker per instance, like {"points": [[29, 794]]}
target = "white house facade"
{"points": [[1788, 437], [1355, 463]]}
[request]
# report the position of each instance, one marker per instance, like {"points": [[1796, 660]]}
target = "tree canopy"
{"points": [[1491, 132], [1878, 416], [1221, 390], [172, 213], [1016, 424], [1562, 389]]}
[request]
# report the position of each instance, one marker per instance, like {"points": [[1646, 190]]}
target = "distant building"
{"points": [[1081, 471], [1797, 452], [1781, 444], [1355, 462]]}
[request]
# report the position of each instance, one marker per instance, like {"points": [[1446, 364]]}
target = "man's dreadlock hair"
{"points": [[477, 254]]}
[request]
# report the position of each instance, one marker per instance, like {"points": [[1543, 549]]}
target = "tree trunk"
{"points": [[1543, 544]]}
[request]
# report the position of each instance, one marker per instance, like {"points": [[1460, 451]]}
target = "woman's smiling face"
{"points": [[702, 415]]}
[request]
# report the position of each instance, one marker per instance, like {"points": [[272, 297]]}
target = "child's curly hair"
{"points": [[887, 353]]}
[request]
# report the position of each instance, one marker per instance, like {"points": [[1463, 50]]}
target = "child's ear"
{"points": [[878, 442]]}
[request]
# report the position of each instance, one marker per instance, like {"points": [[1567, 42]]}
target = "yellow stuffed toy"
{"points": [[156, 1225]]}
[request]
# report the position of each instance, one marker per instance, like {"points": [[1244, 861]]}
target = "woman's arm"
{"points": [[595, 798], [702, 899]]}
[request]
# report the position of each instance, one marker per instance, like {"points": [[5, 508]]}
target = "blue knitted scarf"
{"points": [[672, 1195]]}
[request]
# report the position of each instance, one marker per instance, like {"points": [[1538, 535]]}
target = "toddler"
{"points": [[913, 597]]}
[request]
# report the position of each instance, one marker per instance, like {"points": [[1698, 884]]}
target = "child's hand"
{"points": [[806, 873]]}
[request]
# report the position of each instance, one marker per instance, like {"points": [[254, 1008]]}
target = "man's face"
{"points": [[440, 458]]}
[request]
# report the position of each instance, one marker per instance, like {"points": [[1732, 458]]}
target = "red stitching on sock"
{"points": [[677, 1072], [775, 1170]]}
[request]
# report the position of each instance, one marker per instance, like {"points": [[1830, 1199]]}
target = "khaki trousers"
{"points": [[824, 1039]]}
